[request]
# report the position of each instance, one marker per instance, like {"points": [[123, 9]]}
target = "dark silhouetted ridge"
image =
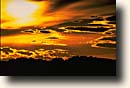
{"points": [[78, 65]]}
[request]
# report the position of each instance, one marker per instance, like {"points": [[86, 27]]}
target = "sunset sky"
{"points": [[48, 29], [19, 13]]}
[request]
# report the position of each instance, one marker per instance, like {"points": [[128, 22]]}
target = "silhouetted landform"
{"points": [[100, 29], [75, 66]]}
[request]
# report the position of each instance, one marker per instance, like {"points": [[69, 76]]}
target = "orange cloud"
{"points": [[19, 13]]}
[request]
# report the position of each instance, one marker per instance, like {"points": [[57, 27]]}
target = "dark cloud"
{"points": [[6, 50], [57, 4], [111, 18], [25, 53], [37, 0], [94, 4], [6, 32], [62, 3]]}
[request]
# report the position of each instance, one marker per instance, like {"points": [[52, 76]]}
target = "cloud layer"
{"points": [[52, 12]]}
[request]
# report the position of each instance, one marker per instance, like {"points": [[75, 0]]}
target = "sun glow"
{"points": [[21, 8], [20, 13]]}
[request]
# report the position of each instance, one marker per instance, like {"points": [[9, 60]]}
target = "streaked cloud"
{"points": [[52, 12]]}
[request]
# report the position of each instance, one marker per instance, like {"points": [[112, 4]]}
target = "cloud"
{"points": [[6, 50], [53, 12], [11, 53]]}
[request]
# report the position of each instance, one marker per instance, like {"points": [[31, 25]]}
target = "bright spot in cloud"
{"points": [[21, 9]]}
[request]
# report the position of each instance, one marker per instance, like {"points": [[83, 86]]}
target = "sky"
{"points": [[20, 18], [19, 13]]}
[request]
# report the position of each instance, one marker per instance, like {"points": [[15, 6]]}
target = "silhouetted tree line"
{"points": [[77, 65]]}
